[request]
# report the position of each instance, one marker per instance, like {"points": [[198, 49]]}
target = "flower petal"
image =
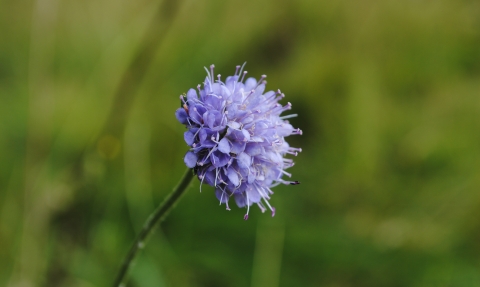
{"points": [[221, 195], [233, 176], [224, 145], [240, 199], [192, 95], [219, 159], [181, 116], [244, 160], [190, 159], [253, 149], [189, 137]]}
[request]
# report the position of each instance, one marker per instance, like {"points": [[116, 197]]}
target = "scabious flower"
{"points": [[237, 138]]}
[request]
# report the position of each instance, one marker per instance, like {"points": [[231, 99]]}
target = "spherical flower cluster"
{"points": [[237, 138]]}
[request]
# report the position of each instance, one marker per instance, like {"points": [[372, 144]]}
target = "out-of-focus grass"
{"points": [[387, 95]]}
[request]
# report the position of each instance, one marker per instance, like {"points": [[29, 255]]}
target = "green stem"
{"points": [[152, 221]]}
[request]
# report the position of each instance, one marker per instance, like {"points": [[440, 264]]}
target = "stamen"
{"points": [[195, 110], [209, 76], [286, 173], [251, 93], [182, 98], [288, 165], [221, 198], [226, 205], [214, 95], [196, 135], [297, 132], [216, 176], [269, 206], [208, 155], [286, 182], [263, 193], [269, 190], [268, 100], [288, 116], [243, 76], [211, 70], [278, 108], [248, 207], [294, 151], [262, 208], [261, 81], [241, 69], [202, 177]]}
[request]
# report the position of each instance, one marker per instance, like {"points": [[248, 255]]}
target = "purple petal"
{"points": [[196, 113], [224, 145], [210, 177], [233, 176], [221, 195], [189, 137], [213, 119], [250, 83], [205, 136], [246, 135], [244, 160], [219, 159], [237, 147], [240, 199], [190, 159], [253, 149], [260, 89], [231, 82], [181, 116], [253, 195], [234, 125], [251, 178], [192, 95]]}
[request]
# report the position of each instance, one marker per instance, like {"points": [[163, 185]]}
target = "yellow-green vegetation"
{"points": [[388, 98]]}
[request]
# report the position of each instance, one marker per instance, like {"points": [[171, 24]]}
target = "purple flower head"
{"points": [[237, 138]]}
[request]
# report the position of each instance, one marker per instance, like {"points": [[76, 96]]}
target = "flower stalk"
{"points": [[157, 216]]}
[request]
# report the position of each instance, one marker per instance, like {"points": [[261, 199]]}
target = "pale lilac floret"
{"points": [[237, 138]]}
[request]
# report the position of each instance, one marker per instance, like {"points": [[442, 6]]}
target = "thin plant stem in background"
{"points": [[152, 221], [130, 81]]}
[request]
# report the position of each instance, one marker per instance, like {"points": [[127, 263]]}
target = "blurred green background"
{"points": [[388, 97]]}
